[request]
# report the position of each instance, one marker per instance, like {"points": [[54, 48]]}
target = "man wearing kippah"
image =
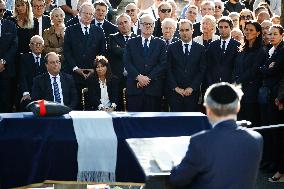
{"points": [[228, 155]]}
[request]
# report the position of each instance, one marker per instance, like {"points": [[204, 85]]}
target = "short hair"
{"points": [[123, 15], [182, 21], [32, 1], [192, 6], [226, 19], [103, 61], [208, 3], [100, 3], [171, 21], [37, 36], [164, 3], [85, 4], [212, 21], [222, 4], [234, 14], [48, 54], [132, 4], [227, 103], [146, 15], [279, 27]]}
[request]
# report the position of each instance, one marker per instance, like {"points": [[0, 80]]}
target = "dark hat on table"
{"points": [[223, 93]]}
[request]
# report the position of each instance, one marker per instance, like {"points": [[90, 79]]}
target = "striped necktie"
{"points": [[56, 91]]}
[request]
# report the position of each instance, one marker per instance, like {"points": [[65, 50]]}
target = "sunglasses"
{"points": [[248, 17], [165, 10], [130, 10], [2, 10], [218, 7]]}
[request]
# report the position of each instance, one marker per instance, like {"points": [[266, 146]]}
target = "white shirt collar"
{"points": [[52, 76], [96, 22], [189, 43], [83, 27], [34, 55], [143, 40]]}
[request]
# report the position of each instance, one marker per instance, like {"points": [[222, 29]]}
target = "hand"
{"points": [[180, 91], [81, 72], [188, 91], [143, 80], [271, 65], [88, 72], [2, 67], [26, 97], [279, 104], [109, 109]]}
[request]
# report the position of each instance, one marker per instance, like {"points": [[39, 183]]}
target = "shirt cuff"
{"points": [[26, 93], [113, 105], [100, 107], [75, 68]]}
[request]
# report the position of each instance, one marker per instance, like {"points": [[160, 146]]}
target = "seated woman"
{"points": [[102, 87]]}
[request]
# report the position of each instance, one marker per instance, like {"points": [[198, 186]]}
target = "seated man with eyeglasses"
{"points": [[164, 11], [54, 85]]}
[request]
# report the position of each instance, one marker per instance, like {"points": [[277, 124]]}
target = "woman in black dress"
{"points": [[250, 57]]}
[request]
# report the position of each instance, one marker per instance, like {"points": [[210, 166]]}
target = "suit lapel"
{"points": [[152, 46], [63, 87], [48, 87]]}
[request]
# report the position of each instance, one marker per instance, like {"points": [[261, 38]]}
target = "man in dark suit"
{"points": [[41, 21], [226, 156], [132, 10], [145, 62], [82, 43], [169, 27], [8, 48], [221, 54], [186, 60], [31, 66], [117, 43], [55, 86], [164, 11], [101, 10]]}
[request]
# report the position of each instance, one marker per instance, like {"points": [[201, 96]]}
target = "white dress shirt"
{"points": [[227, 42], [143, 41], [189, 46], [59, 87], [73, 3]]}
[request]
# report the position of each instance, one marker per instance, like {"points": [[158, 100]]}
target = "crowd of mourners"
{"points": [[153, 57]]}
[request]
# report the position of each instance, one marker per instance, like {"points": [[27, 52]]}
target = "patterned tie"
{"points": [[99, 24], [56, 91], [223, 46], [37, 61], [145, 47], [186, 52]]}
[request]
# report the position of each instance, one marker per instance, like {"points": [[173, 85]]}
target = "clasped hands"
{"points": [[143, 81], [85, 73], [184, 92], [2, 65]]}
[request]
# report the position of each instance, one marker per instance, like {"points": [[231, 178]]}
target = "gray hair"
{"points": [[170, 21], [182, 21], [123, 15], [211, 19], [223, 109]]}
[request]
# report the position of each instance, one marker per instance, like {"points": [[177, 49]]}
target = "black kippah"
{"points": [[223, 94]]}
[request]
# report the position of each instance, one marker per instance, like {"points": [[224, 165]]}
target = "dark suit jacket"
{"points": [[29, 70], [81, 50], [116, 48], [72, 21], [8, 47], [158, 28], [246, 72], [42, 89], [108, 28], [185, 72], [226, 156], [154, 66], [220, 66], [7, 14], [94, 91], [45, 24], [229, 7]]}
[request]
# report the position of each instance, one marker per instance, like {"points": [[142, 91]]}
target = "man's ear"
{"points": [[239, 107]]}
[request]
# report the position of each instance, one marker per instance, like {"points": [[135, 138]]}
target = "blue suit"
{"points": [[153, 65], [226, 156], [220, 65], [185, 72]]}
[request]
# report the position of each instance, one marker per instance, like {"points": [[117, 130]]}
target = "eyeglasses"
{"points": [[165, 10], [248, 17], [130, 10], [2, 10], [218, 7], [191, 12], [38, 6], [147, 24]]}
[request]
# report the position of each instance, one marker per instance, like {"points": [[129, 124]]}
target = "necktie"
{"points": [[37, 60], [36, 26], [168, 42], [86, 30], [99, 24], [186, 52], [126, 38], [223, 46], [145, 47], [56, 91]]}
